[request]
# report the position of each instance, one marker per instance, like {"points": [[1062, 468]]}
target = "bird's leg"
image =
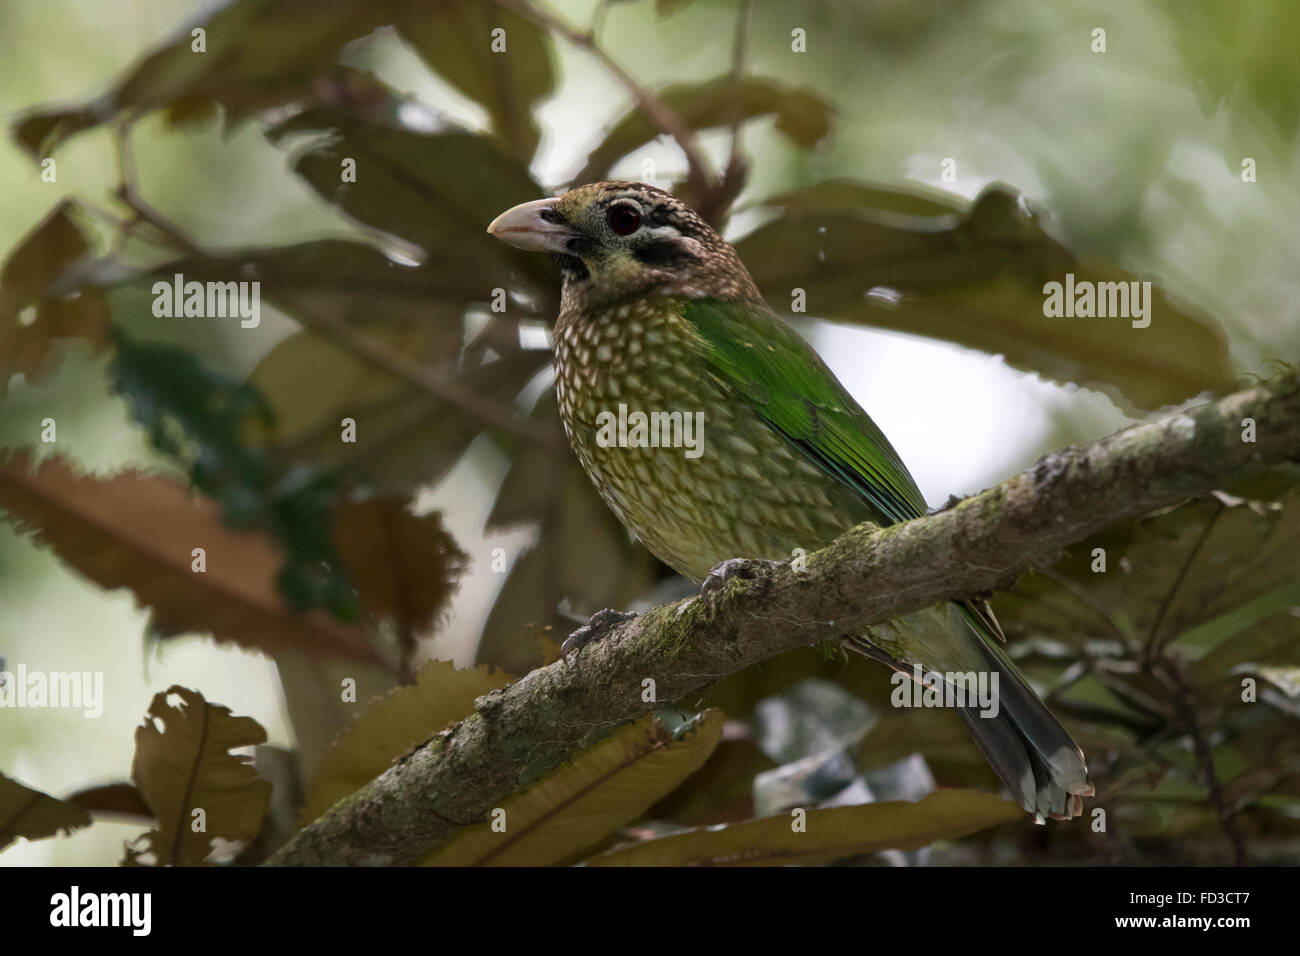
{"points": [[744, 568], [600, 624]]}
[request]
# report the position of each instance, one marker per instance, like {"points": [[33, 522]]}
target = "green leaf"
{"points": [[978, 280], [457, 39], [31, 815], [394, 724], [1248, 50], [197, 416], [215, 427], [183, 764], [35, 316], [829, 834], [801, 116], [601, 789]]}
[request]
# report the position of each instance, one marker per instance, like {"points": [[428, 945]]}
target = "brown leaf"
{"points": [[801, 116], [454, 37], [437, 190], [977, 278], [31, 815], [405, 567], [138, 531], [829, 834], [353, 281], [32, 315], [258, 54], [182, 765], [113, 800]]}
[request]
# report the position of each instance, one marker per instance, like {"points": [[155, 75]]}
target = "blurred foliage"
{"points": [[142, 532], [800, 115], [28, 813], [312, 548], [32, 321], [1175, 640], [1244, 49], [831, 834], [972, 274]]}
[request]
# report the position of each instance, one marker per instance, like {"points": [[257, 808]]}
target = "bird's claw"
{"points": [[593, 630], [711, 590]]}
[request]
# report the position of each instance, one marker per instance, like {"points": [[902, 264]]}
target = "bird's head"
{"points": [[619, 240]]}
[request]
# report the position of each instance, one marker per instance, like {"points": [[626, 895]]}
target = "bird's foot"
{"points": [[744, 568], [600, 624], [952, 502]]}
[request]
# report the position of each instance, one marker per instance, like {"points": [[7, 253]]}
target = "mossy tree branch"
{"points": [[867, 575]]}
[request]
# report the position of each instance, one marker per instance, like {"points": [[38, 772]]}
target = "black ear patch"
{"points": [[664, 253], [572, 268]]}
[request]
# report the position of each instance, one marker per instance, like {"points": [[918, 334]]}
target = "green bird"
{"points": [[659, 315]]}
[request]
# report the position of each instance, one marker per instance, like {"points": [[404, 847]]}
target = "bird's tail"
{"points": [[1026, 746]]}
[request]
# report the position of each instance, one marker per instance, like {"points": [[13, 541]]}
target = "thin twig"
{"points": [[738, 48], [141, 211], [1154, 641], [700, 176], [1182, 694], [736, 170], [713, 206], [598, 19]]}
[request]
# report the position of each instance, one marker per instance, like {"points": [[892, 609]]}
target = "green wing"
{"points": [[769, 365]]}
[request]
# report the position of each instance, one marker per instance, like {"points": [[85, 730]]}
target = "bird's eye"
{"points": [[623, 219]]}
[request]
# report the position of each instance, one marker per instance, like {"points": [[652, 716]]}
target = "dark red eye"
{"points": [[623, 220]]}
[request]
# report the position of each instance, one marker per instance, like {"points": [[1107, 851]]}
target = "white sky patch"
{"points": [[534, 335], [959, 419]]}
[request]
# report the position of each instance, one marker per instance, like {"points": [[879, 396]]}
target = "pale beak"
{"points": [[524, 227]]}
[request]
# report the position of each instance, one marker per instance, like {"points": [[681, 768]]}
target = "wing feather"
{"points": [[772, 368]]}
